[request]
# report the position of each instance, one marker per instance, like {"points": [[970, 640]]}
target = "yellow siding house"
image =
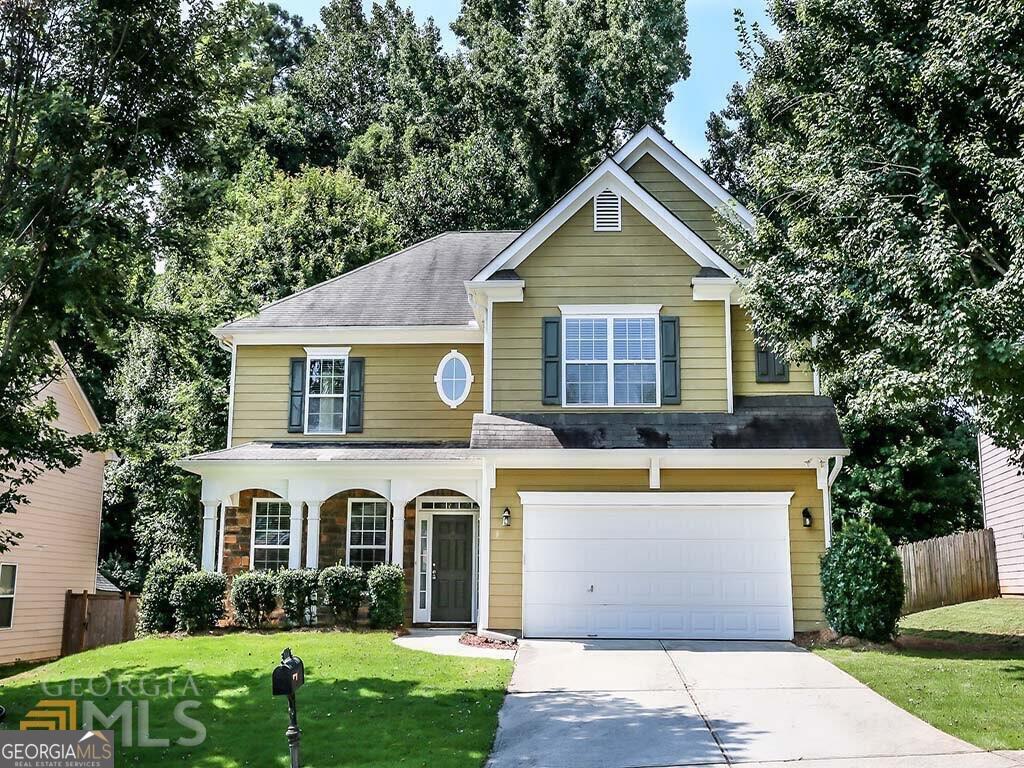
{"points": [[568, 431]]}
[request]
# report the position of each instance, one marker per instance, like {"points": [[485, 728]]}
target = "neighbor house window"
{"points": [[367, 532], [611, 360], [326, 370], [8, 581], [271, 534], [453, 379]]}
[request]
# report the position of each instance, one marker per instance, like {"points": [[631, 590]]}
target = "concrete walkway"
{"points": [[647, 704]]}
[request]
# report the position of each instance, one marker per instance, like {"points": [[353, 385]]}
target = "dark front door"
{"points": [[452, 591]]}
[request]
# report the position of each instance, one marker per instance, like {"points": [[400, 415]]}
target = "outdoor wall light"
{"points": [[506, 518], [808, 520]]}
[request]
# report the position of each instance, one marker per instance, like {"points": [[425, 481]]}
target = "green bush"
{"points": [[386, 585], [156, 614], [198, 600], [297, 588], [862, 582], [253, 597], [341, 590]]}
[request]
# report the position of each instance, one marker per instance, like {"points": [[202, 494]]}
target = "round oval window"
{"points": [[453, 379]]}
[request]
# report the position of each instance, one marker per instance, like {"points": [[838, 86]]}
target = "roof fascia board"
{"points": [[649, 141], [607, 175], [470, 333], [76, 392]]}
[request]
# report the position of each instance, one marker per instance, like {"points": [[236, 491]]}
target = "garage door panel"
{"points": [[674, 572]]}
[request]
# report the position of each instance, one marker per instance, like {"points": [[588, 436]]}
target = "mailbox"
{"points": [[289, 675]]}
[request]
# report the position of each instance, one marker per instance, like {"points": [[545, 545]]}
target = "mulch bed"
{"points": [[476, 641], [829, 639]]}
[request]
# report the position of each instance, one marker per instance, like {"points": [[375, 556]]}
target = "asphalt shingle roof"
{"points": [[421, 285], [786, 421]]}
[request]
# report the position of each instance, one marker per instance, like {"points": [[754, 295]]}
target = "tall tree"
{"points": [[96, 99], [887, 147]]}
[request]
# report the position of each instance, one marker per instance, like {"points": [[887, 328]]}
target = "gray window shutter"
{"points": [[770, 368], [670, 372], [551, 360], [296, 393], [356, 378]]}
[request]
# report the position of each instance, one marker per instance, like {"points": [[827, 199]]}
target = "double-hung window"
{"points": [[611, 361], [271, 534], [8, 581], [326, 371], [367, 532]]}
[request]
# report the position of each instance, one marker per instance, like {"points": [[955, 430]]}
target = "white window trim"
{"points": [[326, 353], [387, 528], [422, 615], [13, 595], [610, 359], [453, 355], [252, 530]]}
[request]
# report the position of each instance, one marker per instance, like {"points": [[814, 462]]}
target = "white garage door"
{"points": [[657, 565]]}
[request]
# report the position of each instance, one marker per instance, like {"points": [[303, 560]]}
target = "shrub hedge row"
{"points": [[178, 596]]}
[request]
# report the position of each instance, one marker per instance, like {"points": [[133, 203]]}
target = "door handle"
{"points": [[433, 572], [591, 588]]}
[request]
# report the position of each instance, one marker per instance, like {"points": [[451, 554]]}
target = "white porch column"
{"points": [[209, 559], [220, 534], [313, 534], [397, 532], [295, 534], [487, 482]]}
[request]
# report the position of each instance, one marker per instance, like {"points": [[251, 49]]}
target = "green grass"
{"points": [[984, 622], [962, 671], [366, 702]]}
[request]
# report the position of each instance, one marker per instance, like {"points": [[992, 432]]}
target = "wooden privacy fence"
{"points": [[94, 620], [949, 570]]}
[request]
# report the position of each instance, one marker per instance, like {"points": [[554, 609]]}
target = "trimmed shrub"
{"points": [[156, 614], [386, 585], [198, 600], [297, 588], [341, 590], [862, 582], [253, 597]]}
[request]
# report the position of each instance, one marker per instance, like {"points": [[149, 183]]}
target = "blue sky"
{"points": [[711, 41]]}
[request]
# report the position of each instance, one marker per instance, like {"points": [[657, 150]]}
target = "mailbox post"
{"points": [[288, 678]]}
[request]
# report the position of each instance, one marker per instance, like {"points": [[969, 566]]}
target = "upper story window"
{"points": [[770, 367], [453, 379], [607, 212], [326, 372], [271, 534], [610, 361]]}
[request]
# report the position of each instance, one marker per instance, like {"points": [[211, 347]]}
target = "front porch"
{"points": [[423, 516]]}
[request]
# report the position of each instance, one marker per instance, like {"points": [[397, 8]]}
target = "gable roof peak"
{"points": [[650, 141]]}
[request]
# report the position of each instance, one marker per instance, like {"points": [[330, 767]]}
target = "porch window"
{"points": [[368, 526], [325, 391], [270, 534], [8, 580], [611, 360]]}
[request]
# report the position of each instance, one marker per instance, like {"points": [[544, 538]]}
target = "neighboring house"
{"points": [[1002, 498], [591, 384], [61, 528]]}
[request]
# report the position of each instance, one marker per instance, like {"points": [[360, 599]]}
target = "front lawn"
{"points": [[960, 668], [366, 702]]}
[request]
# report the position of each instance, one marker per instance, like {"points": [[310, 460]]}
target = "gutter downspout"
{"points": [[827, 498]]}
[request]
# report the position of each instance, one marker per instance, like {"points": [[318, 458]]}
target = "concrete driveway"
{"points": [[647, 704]]}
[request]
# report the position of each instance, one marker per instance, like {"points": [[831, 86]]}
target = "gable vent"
{"points": [[607, 212]]}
